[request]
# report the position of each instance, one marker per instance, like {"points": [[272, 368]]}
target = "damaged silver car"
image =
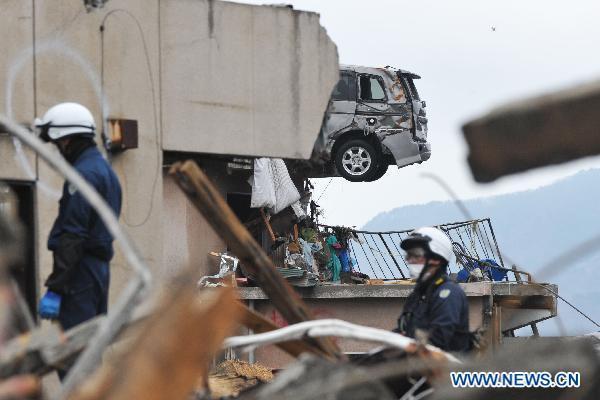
{"points": [[375, 119]]}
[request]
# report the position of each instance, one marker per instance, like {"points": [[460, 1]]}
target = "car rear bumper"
{"points": [[405, 149]]}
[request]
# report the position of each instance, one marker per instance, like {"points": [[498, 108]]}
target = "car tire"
{"points": [[380, 171], [356, 160]]}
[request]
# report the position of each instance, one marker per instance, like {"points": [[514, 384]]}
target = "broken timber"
{"points": [[205, 197], [550, 129]]}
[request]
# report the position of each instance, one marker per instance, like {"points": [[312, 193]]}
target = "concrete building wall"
{"points": [[494, 307], [257, 82], [142, 64], [375, 312], [16, 75], [188, 238]]}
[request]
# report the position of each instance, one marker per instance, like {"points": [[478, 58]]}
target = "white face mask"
{"points": [[415, 270]]}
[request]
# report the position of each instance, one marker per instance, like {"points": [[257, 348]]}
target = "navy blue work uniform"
{"points": [[440, 309], [81, 244]]}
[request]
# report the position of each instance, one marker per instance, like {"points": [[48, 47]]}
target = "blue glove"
{"points": [[49, 305]]}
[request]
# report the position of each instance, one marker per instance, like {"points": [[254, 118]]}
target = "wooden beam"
{"points": [[20, 387], [267, 224], [207, 199], [546, 130]]}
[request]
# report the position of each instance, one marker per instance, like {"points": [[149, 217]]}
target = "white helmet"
{"points": [[65, 119], [432, 239]]}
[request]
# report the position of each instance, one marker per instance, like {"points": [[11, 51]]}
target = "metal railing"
{"points": [[378, 254]]}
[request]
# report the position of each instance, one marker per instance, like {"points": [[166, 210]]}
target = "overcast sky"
{"points": [[467, 68]]}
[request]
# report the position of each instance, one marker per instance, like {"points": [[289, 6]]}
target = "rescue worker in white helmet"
{"points": [[437, 309], [79, 240]]}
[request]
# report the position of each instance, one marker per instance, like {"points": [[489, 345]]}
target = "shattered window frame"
{"points": [[413, 88], [410, 87], [381, 85]]}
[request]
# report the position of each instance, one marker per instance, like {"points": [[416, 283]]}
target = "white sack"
{"points": [[286, 193], [263, 190]]}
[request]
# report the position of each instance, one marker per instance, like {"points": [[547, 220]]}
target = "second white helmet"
{"points": [[432, 239], [65, 119]]}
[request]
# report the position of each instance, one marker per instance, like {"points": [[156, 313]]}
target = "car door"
{"points": [[419, 113], [342, 105], [372, 103], [374, 113]]}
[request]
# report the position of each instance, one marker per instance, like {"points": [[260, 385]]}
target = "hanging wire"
{"points": [[566, 301], [324, 190], [155, 111]]}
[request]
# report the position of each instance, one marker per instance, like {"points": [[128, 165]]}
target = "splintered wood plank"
{"points": [[207, 199], [173, 351]]}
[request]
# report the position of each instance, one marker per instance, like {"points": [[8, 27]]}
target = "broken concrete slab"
{"points": [[244, 79]]}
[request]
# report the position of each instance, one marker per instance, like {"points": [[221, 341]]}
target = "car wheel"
{"points": [[379, 172], [356, 160]]}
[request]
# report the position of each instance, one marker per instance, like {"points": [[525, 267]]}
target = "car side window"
{"points": [[371, 88], [345, 89]]}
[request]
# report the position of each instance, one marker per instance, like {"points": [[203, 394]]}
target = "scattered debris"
{"points": [[244, 369], [231, 377], [227, 266], [202, 193]]}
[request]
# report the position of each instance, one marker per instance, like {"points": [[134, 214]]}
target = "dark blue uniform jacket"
{"points": [[81, 244], [442, 311]]}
